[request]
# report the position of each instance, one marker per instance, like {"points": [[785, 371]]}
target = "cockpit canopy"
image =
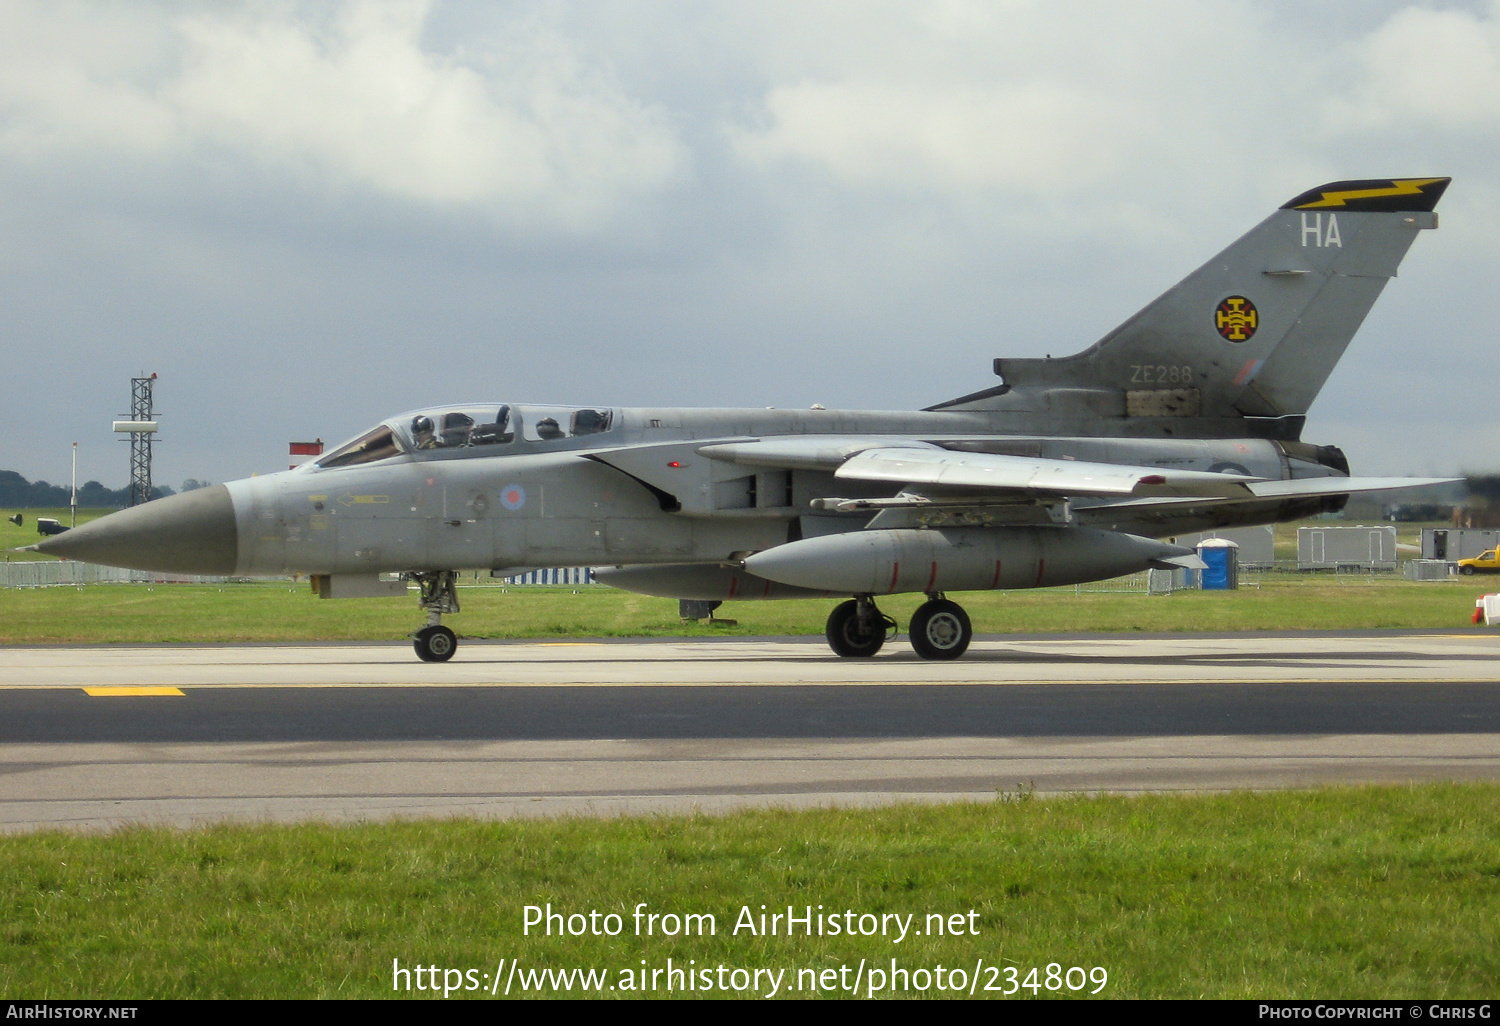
{"points": [[470, 430], [456, 428]]}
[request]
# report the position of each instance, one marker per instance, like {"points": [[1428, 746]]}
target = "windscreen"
{"points": [[376, 444]]}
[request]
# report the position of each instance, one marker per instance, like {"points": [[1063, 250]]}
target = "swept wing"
{"points": [[930, 474]]}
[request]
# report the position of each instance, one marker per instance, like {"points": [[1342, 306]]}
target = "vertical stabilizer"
{"points": [[1253, 333]]}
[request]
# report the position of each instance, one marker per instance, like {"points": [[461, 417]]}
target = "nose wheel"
{"points": [[435, 644], [940, 630]]}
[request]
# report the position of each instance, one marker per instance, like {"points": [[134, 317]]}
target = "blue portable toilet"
{"points": [[1223, 559]]}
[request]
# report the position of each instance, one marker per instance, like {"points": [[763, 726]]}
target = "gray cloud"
{"points": [[307, 217]]}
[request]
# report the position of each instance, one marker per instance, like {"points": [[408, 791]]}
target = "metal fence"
{"points": [[54, 573], [67, 573], [1164, 582], [1147, 582], [1129, 584]]}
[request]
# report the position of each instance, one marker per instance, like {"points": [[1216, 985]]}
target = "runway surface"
{"points": [[99, 736]]}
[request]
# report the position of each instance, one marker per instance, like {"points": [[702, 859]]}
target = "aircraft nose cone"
{"points": [[191, 533]]}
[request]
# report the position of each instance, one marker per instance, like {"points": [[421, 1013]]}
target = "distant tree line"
{"points": [[18, 493]]}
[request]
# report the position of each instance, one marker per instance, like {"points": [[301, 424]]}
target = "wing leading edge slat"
{"points": [[931, 475], [1029, 476]]}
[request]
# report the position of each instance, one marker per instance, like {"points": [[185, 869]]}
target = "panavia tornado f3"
{"points": [[1186, 418]]}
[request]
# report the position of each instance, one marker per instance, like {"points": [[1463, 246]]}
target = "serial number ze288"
{"points": [[1159, 374], [1055, 978]]}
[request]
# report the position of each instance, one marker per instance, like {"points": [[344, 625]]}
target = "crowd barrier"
{"points": [[66, 572], [55, 573]]}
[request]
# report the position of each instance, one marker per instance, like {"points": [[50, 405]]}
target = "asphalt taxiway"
{"points": [[99, 736]]}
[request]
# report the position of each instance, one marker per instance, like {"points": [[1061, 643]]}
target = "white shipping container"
{"points": [[1333, 548], [1455, 543]]}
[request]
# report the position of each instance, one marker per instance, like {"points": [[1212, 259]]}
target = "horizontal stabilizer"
{"points": [[1340, 486], [1264, 491], [1192, 561]]}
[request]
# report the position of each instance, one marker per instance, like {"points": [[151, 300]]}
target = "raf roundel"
{"points": [[513, 497], [1236, 318]]}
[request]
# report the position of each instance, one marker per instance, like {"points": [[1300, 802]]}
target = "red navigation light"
{"points": [[1152, 479]]}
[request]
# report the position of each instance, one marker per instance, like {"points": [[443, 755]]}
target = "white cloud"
{"points": [[1030, 136], [72, 82], [347, 99], [1428, 68], [1037, 99]]}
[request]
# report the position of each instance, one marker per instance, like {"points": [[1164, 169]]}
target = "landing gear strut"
{"points": [[857, 629], [436, 643], [940, 629]]}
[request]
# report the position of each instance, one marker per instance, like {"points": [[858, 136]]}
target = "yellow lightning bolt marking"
{"points": [[1398, 187]]}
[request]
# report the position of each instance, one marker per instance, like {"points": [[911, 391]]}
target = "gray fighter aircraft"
{"points": [[1187, 417]]}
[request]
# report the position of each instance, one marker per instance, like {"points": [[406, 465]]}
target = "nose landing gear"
{"points": [[436, 643]]}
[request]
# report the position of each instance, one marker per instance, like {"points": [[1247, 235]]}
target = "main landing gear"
{"points": [[436, 643], [857, 629], [940, 629]]}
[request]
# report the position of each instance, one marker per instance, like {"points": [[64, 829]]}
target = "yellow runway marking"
{"points": [[568, 644], [127, 692]]}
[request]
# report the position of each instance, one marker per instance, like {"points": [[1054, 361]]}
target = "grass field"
{"points": [[139, 614], [16, 535], [1374, 892]]}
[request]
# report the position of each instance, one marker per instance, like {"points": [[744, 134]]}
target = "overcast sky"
{"points": [[308, 217]]}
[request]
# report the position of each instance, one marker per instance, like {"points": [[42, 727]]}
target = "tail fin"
{"points": [[1253, 333]]}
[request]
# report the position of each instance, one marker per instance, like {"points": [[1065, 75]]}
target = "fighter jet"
{"points": [[1186, 418]]}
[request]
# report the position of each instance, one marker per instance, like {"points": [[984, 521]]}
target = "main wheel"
{"points": [[845, 637], [435, 644], [940, 630]]}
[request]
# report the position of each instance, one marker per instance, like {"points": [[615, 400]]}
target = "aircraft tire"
{"points": [[940, 630], [435, 644], [845, 637]]}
